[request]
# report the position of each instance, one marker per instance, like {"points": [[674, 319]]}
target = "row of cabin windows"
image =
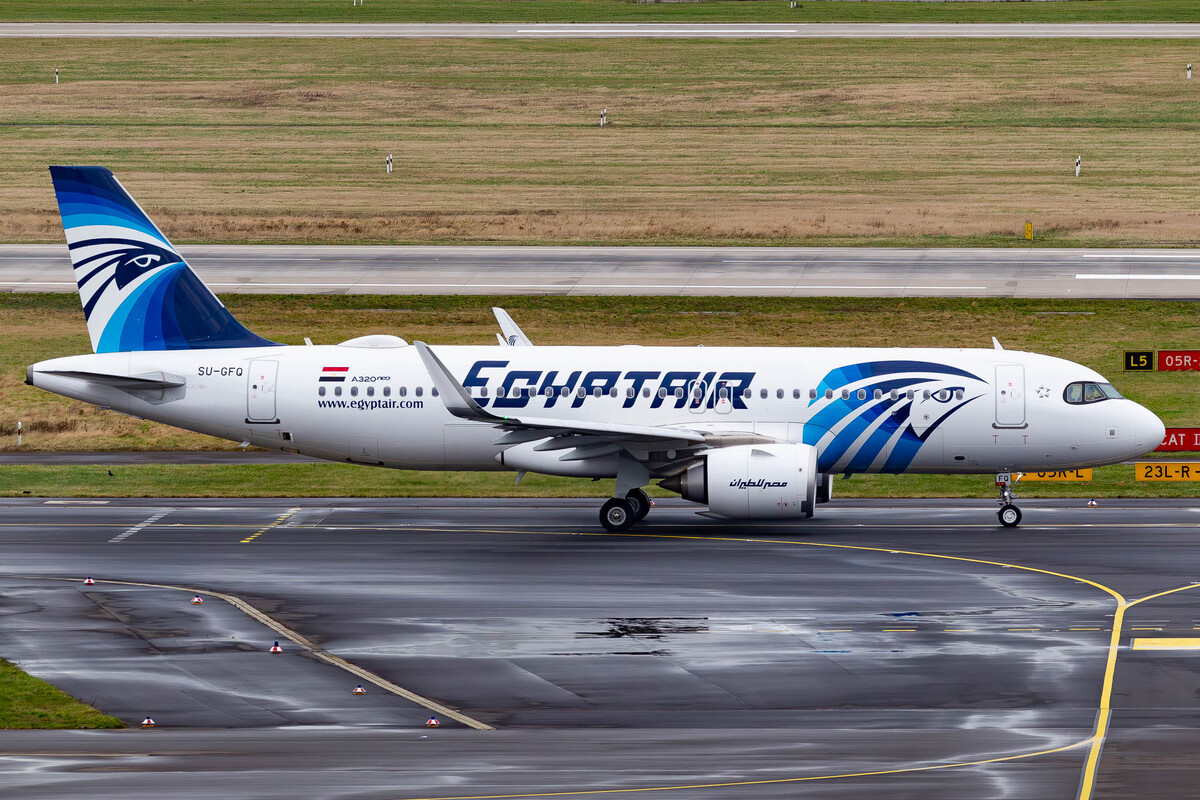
{"points": [[697, 393], [386, 391]]}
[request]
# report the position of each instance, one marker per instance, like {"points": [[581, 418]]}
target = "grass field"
{"points": [[926, 143], [346, 480], [26, 702], [593, 11], [37, 327]]}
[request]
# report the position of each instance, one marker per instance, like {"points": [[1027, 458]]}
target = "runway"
{"points": [[684, 271], [884, 648], [608, 30]]}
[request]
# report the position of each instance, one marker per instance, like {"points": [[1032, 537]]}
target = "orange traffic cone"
{"points": [[197, 600], [147, 723], [88, 581], [433, 722], [275, 648], [359, 690]]}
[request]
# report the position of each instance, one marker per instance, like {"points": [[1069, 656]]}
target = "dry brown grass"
{"points": [[781, 141]]}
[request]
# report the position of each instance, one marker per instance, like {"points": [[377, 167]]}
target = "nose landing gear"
{"points": [[1009, 515]]}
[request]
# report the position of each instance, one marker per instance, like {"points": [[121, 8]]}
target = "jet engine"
{"points": [[755, 481]]}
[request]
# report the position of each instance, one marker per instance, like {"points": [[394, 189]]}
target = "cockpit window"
{"points": [[1082, 392]]}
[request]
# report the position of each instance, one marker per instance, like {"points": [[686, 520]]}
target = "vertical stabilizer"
{"points": [[138, 293]]}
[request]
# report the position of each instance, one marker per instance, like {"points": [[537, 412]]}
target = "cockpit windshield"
{"points": [[1082, 392]]}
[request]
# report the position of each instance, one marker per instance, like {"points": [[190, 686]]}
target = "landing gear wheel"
{"points": [[640, 502], [1010, 516], [617, 515]]}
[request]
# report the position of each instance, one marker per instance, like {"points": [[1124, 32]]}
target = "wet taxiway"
{"points": [[889, 648]]}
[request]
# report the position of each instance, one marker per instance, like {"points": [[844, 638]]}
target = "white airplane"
{"points": [[752, 432]]}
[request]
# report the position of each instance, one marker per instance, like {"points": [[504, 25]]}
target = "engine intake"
{"points": [[757, 481]]}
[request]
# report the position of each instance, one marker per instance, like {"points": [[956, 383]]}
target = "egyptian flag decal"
{"points": [[334, 374]]}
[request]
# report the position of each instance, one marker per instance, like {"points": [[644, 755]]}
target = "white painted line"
{"points": [[76, 503], [120, 537], [635, 29], [1104, 277], [1195, 256]]}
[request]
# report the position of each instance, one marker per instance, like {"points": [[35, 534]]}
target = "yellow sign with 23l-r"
{"points": [[1167, 470]]}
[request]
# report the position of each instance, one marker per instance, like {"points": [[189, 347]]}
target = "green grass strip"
{"points": [[28, 702]]}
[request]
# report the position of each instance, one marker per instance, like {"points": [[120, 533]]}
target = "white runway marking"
{"points": [[1137, 277], [120, 537]]}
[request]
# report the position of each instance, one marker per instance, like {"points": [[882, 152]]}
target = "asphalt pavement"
{"points": [[606, 30], [682, 271], [884, 648]]}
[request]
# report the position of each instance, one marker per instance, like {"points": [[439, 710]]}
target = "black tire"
{"points": [[640, 502], [1009, 516], [617, 515]]}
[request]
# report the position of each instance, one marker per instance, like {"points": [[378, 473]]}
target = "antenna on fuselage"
{"points": [[996, 343]]}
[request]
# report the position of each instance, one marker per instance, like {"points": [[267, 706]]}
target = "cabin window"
{"points": [[565, 392], [434, 391], [878, 393], [629, 393], [958, 395], [845, 394], [387, 391], [678, 392], [370, 391], [645, 391], [925, 394], [612, 392], [829, 394], [321, 391], [812, 394], [662, 392], [762, 393], [419, 391], [482, 391], [402, 391], [862, 394], [894, 395], [779, 394], [354, 391], [596, 392], [746, 394], [337, 391], [723, 393], [795, 394], [500, 391], [910, 394]]}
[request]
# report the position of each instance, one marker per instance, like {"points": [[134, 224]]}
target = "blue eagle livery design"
{"points": [[865, 419], [138, 293]]}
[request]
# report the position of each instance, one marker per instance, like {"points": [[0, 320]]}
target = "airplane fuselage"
{"points": [[864, 410]]}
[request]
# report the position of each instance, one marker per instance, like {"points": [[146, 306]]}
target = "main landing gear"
{"points": [[1009, 515], [619, 514]]}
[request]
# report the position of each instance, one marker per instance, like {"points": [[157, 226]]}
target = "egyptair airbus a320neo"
{"points": [[751, 432]]}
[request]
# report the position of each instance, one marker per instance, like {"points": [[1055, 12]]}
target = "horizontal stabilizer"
{"points": [[131, 383]]}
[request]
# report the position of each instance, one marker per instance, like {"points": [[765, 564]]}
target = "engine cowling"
{"points": [[756, 481]]}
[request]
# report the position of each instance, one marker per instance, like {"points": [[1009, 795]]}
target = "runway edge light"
{"points": [[197, 600], [359, 690], [433, 722], [1092, 504], [275, 648], [147, 723], [88, 581]]}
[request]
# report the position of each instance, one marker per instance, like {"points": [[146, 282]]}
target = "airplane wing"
{"points": [[459, 402], [511, 335]]}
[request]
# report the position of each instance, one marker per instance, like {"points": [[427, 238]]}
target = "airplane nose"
{"points": [[1148, 429]]}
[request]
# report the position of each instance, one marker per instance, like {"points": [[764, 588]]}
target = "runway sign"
{"points": [[1178, 360], [1180, 439], [1166, 644], [1139, 360], [1167, 470], [1061, 475]]}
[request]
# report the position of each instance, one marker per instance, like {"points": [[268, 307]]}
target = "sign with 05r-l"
{"points": [[1060, 475], [1167, 470], [1136, 360], [1178, 360]]}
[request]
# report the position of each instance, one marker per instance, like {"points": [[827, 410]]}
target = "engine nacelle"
{"points": [[755, 481]]}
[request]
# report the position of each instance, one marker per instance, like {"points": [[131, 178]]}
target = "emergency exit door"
{"points": [[260, 391], [1010, 395]]}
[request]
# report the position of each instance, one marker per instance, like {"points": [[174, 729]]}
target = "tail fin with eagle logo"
{"points": [[138, 293]]}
